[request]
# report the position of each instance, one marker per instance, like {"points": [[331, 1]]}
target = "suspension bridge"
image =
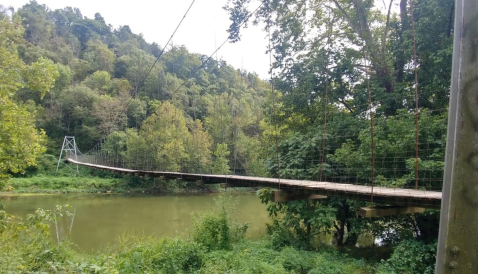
{"points": [[384, 195], [363, 188], [293, 189]]}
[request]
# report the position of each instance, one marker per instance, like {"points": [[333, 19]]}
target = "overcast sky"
{"points": [[204, 27]]}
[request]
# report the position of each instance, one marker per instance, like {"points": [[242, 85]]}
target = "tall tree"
{"points": [[20, 141]]}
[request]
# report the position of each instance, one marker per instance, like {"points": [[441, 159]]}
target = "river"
{"points": [[99, 220]]}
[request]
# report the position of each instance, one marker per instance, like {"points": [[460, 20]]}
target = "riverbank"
{"points": [[216, 244], [50, 184]]}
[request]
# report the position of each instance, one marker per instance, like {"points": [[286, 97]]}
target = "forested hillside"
{"points": [[106, 84]]}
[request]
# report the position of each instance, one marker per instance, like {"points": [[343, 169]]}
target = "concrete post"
{"points": [[458, 237]]}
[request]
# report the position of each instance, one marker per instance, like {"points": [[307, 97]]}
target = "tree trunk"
{"points": [[376, 55], [339, 233], [351, 237], [400, 58]]}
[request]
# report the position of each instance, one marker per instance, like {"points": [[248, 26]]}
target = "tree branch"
{"points": [[387, 26], [343, 11], [345, 105]]}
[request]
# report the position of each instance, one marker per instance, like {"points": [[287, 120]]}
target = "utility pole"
{"points": [[458, 237]]}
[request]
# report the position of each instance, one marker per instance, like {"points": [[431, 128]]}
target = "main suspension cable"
{"points": [[212, 54], [141, 83]]}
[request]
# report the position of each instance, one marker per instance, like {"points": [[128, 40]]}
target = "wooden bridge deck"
{"points": [[382, 195]]}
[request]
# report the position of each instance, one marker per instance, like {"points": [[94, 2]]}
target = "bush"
{"points": [[152, 255], [216, 231], [411, 256], [296, 261], [25, 245], [212, 231]]}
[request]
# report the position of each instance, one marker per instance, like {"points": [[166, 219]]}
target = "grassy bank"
{"points": [[95, 184]]}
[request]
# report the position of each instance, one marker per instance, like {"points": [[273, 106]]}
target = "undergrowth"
{"points": [[216, 245]]}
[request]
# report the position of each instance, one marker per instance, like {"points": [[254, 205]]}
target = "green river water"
{"points": [[100, 220]]}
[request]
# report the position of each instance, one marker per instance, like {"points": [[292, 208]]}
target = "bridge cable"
{"points": [[150, 69], [274, 114], [157, 59], [324, 133], [416, 94], [212, 54]]}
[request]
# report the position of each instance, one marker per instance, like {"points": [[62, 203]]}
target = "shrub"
{"points": [[25, 245], [138, 255], [216, 231], [411, 256], [212, 231]]}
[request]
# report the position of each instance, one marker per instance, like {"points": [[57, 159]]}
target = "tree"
{"points": [[166, 137], [296, 222], [220, 165], [99, 56], [344, 28], [34, 19], [110, 113], [137, 64], [99, 81], [20, 141], [200, 148]]}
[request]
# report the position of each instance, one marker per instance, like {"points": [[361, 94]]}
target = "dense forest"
{"points": [[106, 84], [353, 80]]}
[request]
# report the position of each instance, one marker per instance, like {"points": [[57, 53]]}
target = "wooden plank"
{"points": [[286, 196], [369, 212]]}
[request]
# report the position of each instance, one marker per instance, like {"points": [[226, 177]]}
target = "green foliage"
{"points": [[101, 68], [257, 257], [99, 56], [411, 256], [20, 141], [26, 244], [147, 255], [27, 247], [212, 231], [66, 184], [166, 142], [161, 127], [99, 81], [217, 231], [296, 222], [220, 165], [394, 137]]}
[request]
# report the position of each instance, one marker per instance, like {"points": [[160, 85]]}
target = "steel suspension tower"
{"points": [[70, 149]]}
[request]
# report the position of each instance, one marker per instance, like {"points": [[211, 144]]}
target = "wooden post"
{"points": [[458, 236]]}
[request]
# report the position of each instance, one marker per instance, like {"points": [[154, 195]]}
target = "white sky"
{"points": [[204, 27]]}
